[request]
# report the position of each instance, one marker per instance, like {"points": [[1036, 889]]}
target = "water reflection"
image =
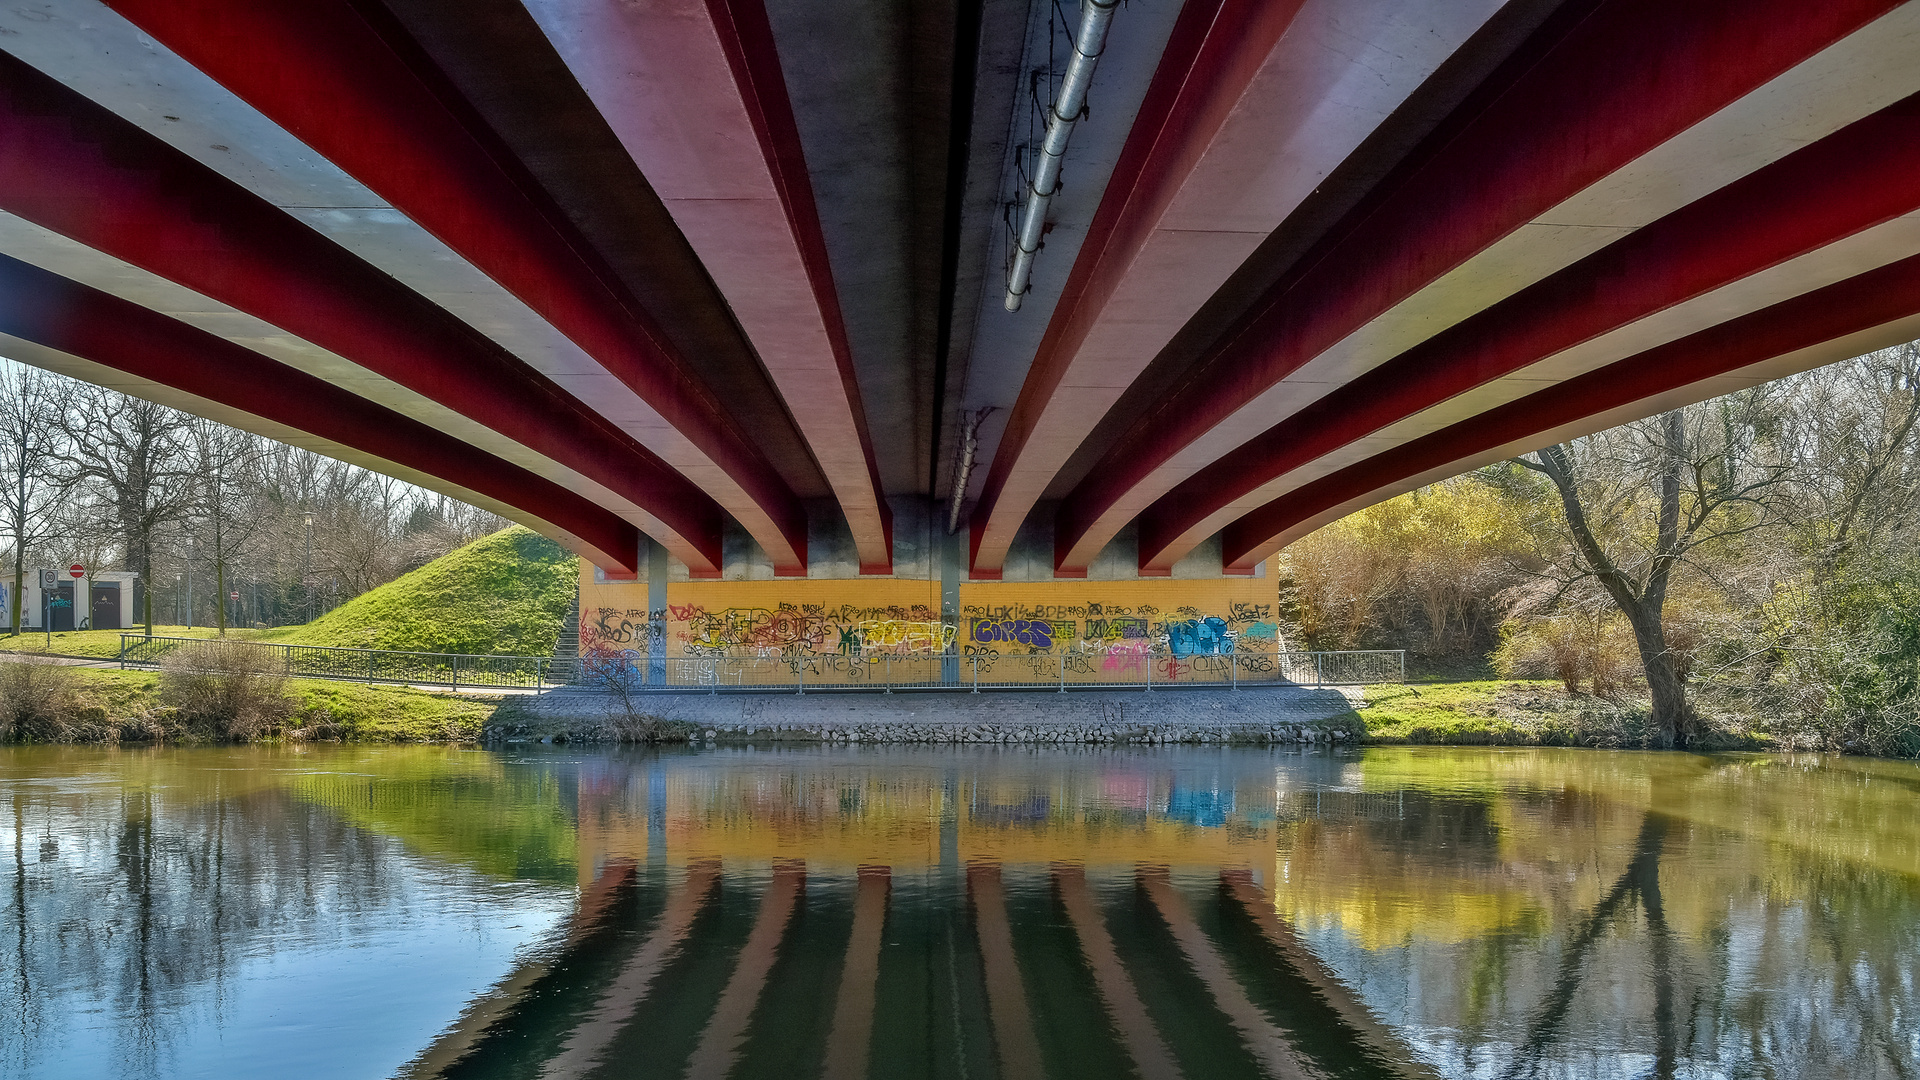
{"points": [[964, 913]]}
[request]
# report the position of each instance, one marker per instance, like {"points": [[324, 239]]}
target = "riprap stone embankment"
{"points": [[1264, 715]]}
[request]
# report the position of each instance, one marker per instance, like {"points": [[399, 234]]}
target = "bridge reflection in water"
{"points": [[1017, 913], [1217, 913], [911, 914]]}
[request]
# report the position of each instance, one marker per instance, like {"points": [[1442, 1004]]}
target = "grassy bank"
{"points": [[1520, 713], [504, 594], [105, 644], [115, 706]]}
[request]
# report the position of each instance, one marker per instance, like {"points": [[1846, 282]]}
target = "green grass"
{"points": [[1495, 713], [349, 712], [389, 713], [504, 594], [105, 644], [1514, 712]]}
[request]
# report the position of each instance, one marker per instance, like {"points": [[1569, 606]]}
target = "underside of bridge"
{"points": [[798, 288]]}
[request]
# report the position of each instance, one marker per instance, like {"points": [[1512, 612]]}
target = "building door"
{"points": [[60, 609], [106, 607]]}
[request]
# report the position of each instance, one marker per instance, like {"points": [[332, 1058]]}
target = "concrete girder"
{"points": [[93, 51], [1849, 318], [1219, 154], [698, 98], [65, 317], [72, 168], [1820, 215], [69, 259], [1595, 129], [327, 74]]}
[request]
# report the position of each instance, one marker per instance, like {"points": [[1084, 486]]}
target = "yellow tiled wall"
{"points": [[902, 616]]}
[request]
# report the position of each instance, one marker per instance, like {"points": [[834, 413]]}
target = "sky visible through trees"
{"points": [[96, 477]]}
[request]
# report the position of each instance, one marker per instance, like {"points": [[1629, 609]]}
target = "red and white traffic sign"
{"points": [[77, 570]]}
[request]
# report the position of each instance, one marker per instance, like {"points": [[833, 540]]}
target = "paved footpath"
{"points": [[1267, 714]]}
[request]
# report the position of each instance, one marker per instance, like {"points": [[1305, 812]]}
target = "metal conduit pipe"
{"points": [[969, 446], [1095, 17]]}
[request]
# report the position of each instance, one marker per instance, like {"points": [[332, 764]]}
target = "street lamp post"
{"points": [[176, 599], [306, 575], [189, 581]]}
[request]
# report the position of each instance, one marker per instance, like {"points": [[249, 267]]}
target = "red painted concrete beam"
{"points": [[345, 80], [50, 310], [697, 96], [1859, 177], [1628, 77], [71, 167], [1640, 385], [1214, 53]]}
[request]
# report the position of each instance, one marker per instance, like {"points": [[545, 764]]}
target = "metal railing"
{"points": [[452, 670], [1116, 669]]}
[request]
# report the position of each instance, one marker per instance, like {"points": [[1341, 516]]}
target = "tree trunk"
{"points": [[1643, 604], [1672, 717]]}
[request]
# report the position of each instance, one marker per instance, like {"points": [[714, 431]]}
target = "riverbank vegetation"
{"points": [[1742, 570], [43, 702]]}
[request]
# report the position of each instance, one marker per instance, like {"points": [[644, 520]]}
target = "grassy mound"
{"points": [[503, 594]]}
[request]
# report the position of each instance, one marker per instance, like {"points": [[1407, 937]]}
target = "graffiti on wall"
{"points": [[800, 629], [1124, 633], [1203, 637], [614, 642], [1038, 634]]}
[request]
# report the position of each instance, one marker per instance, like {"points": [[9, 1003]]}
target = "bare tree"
{"points": [[1639, 501], [29, 434], [1853, 428], [225, 466], [136, 454]]}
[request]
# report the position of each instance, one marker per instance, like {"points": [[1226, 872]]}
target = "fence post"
{"points": [[369, 667], [1233, 658], [456, 671], [889, 673], [1149, 671], [800, 674], [1319, 674], [1403, 665], [1063, 673]]}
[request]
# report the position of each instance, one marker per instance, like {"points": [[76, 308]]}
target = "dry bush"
{"points": [[1597, 649], [1420, 570], [226, 689], [37, 701]]}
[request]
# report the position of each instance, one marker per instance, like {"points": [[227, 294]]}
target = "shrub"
{"points": [[225, 689], [37, 700], [1595, 648]]}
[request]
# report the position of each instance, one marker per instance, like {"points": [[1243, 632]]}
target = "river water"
{"points": [[965, 913]]}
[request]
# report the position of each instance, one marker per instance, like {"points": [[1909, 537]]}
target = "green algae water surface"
{"points": [[965, 913]]}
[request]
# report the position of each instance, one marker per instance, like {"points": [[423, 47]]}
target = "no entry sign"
{"points": [[77, 570]]}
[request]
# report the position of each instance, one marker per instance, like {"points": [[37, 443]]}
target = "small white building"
{"points": [[98, 601]]}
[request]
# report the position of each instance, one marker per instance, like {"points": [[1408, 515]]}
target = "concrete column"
{"points": [[656, 561]]}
